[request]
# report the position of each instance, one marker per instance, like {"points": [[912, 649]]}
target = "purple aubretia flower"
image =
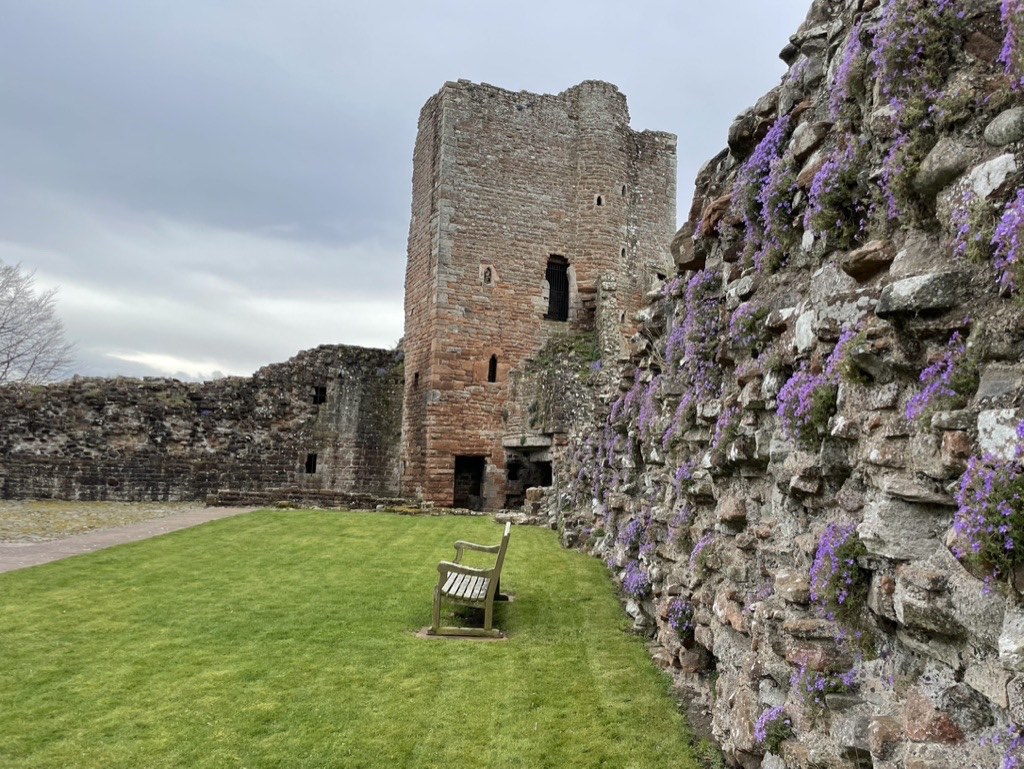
{"points": [[1008, 242], [765, 720], [636, 582], [937, 378], [1012, 54], [841, 83]]}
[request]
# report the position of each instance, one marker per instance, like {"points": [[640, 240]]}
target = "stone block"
{"points": [[804, 338], [1007, 127], [925, 723], [953, 420], [902, 530], [732, 510], [947, 160], [807, 138], [885, 734], [999, 380], [919, 606], [1011, 639], [989, 176], [997, 433], [934, 291], [867, 261], [989, 678], [793, 586]]}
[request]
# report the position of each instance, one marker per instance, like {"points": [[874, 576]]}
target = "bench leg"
{"points": [[436, 619], [488, 616]]}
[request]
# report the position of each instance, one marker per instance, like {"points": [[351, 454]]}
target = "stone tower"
{"points": [[522, 204]]}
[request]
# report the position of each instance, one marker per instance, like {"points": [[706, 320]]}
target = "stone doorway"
{"points": [[469, 482]]}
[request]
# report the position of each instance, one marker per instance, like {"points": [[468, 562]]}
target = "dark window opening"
{"points": [[469, 482], [661, 275], [319, 395], [623, 190], [416, 380], [544, 470], [492, 369], [310, 463], [557, 275], [513, 471], [623, 253], [600, 202], [488, 276], [622, 317]]}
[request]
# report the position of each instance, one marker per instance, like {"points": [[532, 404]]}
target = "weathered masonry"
{"points": [[322, 428], [523, 204]]}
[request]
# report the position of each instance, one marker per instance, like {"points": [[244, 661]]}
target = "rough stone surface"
{"points": [[937, 291], [1007, 127], [868, 260], [989, 176], [249, 438], [997, 432], [929, 682], [947, 160], [503, 182]]}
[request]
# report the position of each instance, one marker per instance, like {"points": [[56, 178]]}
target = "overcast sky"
{"points": [[217, 185]]}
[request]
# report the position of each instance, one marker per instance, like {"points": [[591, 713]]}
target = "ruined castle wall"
{"points": [[506, 180], [809, 467], [162, 439]]}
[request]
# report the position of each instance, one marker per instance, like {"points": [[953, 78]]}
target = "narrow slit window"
{"points": [[492, 369], [557, 275], [319, 395], [600, 201], [310, 463], [416, 380]]}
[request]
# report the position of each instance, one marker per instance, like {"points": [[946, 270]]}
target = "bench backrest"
{"points": [[496, 571]]}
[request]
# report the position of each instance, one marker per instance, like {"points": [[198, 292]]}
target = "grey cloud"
{"points": [[206, 167]]}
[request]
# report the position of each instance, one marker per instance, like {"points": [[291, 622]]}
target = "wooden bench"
{"points": [[470, 586]]}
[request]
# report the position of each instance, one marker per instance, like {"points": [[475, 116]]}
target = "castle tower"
{"points": [[522, 203]]}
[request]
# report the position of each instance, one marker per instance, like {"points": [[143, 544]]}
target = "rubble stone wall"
{"points": [[162, 439], [808, 477]]}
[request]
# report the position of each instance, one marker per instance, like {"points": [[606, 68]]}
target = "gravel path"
{"points": [[33, 533]]}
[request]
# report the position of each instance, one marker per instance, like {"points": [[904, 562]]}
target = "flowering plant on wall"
{"points": [[1007, 243], [692, 345], [950, 379], [913, 47], [808, 398], [680, 617], [838, 584], [1012, 54], [838, 201], [772, 728], [635, 581], [989, 520], [762, 198]]}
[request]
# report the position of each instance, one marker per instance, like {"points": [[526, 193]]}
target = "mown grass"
{"points": [[286, 639]]}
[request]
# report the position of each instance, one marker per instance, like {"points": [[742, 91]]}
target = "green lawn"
{"points": [[286, 639]]}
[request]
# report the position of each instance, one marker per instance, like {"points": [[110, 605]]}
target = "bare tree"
{"points": [[32, 344]]}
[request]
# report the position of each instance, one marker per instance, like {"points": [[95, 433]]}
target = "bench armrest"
{"points": [[448, 567], [460, 545]]}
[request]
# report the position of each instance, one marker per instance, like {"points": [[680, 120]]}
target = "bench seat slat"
{"points": [[466, 587]]}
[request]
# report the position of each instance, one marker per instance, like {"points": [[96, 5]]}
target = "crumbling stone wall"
{"points": [[502, 182], [808, 477], [162, 439]]}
